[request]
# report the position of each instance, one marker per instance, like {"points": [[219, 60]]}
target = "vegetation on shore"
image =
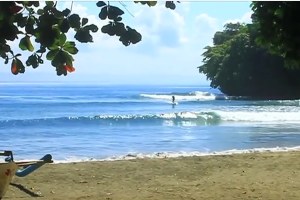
{"points": [[238, 66], [259, 60]]}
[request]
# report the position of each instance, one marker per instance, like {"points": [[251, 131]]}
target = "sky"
{"points": [[169, 53]]}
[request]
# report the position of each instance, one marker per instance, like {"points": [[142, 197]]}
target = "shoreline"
{"points": [[257, 175], [161, 155]]}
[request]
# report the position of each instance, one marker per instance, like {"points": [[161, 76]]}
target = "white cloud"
{"points": [[206, 22], [245, 18], [162, 54], [204, 29], [161, 26]]}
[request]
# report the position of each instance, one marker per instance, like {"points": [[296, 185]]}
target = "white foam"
{"points": [[159, 155], [194, 96], [252, 116], [187, 115], [168, 115]]}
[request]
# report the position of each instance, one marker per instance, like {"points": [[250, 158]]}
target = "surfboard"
{"points": [[174, 103]]}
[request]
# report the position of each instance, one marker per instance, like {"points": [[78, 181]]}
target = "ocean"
{"points": [[83, 122]]}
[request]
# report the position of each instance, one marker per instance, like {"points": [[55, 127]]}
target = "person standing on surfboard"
{"points": [[173, 99]]}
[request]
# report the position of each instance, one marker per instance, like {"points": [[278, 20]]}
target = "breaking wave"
{"points": [[173, 118], [192, 96]]}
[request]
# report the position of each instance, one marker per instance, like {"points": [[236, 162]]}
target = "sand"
{"points": [[245, 176]]}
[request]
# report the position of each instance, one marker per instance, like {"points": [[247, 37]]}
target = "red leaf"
{"points": [[69, 68], [8, 172], [14, 68]]}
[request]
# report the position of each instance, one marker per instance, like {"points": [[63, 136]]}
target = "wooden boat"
{"points": [[7, 171], [9, 168]]}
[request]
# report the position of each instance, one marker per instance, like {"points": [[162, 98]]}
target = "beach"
{"points": [[270, 175]]}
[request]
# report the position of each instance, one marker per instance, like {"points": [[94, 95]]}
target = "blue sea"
{"points": [[79, 122]]}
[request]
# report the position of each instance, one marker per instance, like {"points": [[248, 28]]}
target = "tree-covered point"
{"points": [[30, 24], [279, 28], [239, 67]]}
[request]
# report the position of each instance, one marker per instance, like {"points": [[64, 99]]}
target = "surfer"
{"points": [[173, 99]]}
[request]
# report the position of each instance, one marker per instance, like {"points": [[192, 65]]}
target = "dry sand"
{"points": [[247, 176]]}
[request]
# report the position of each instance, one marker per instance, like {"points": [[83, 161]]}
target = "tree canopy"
{"points": [[279, 28], [239, 67], [31, 24]]}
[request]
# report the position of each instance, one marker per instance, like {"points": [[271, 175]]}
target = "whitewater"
{"points": [[101, 122]]}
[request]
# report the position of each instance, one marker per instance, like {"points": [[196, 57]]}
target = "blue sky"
{"points": [[169, 52]]}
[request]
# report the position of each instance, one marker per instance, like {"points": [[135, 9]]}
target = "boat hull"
{"points": [[7, 171]]}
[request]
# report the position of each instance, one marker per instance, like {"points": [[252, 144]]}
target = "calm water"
{"points": [[74, 122]]}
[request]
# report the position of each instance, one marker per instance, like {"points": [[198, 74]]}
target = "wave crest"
{"points": [[192, 96], [171, 119]]}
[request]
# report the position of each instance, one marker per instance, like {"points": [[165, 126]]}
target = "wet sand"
{"points": [[242, 176]]}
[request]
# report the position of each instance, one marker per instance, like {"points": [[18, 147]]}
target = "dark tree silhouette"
{"points": [[239, 67]]}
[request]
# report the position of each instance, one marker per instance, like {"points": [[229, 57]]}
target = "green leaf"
{"points": [[103, 13], [29, 28], [119, 29], [35, 3], [21, 21], [23, 44], [84, 21], [142, 2], [54, 46], [32, 60], [66, 12], [29, 44], [50, 3], [114, 12], [51, 54], [61, 70], [83, 36], [40, 11], [62, 58], [41, 61], [100, 3], [74, 21], [30, 10], [41, 50], [91, 27], [118, 19], [69, 44], [151, 3], [71, 49], [58, 59], [62, 39], [170, 4], [135, 36], [105, 28], [64, 26], [68, 58], [58, 14]]}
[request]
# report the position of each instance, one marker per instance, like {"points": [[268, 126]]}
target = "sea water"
{"points": [[78, 122]]}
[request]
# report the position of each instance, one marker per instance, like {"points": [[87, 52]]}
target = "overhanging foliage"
{"points": [[29, 23]]}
